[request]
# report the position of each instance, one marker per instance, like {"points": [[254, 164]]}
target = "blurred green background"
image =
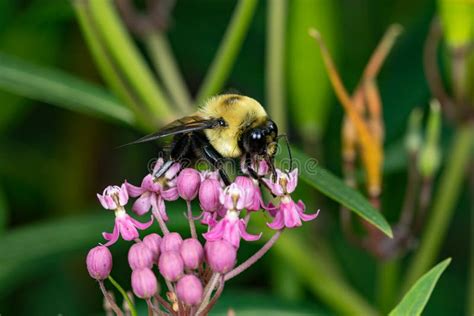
{"points": [[53, 160]]}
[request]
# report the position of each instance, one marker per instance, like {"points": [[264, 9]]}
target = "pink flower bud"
{"points": [[153, 242], [144, 283], [220, 255], [99, 262], [171, 242], [188, 183], [209, 195], [171, 265], [140, 256], [191, 253], [189, 290]]}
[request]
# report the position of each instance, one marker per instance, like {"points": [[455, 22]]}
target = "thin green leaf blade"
{"points": [[331, 186], [415, 300], [60, 89]]}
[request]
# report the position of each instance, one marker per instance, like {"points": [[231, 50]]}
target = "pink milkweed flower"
{"points": [[153, 192], [231, 228], [125, 226], [288, 214], [260, 166], [233, 197], [284, 183], [113, 197]]}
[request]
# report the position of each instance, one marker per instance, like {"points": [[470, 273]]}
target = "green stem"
{"points": [[128, 58], [133, 311], [165, 63], [387, 281], [275, 50], [227, 52], [444, 204], [470, 290], [108, 69]]}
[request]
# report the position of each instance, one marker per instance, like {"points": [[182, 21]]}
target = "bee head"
{"points": [[260, 140]]}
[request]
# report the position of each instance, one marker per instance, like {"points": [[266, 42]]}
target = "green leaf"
{"points": [[415, 300], [60, 89], [331, 186]]}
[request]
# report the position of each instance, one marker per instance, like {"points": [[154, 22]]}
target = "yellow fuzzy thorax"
{"points": [[240, 113]]}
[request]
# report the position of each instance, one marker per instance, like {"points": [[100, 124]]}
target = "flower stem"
{"points": [[165, 304], [133, 311], [161, 222], [275, 50], [109, 299], [129, 60], [165, 63], [208, 291], [444, 204], [192, 225], [256, 256], [214, 299]]}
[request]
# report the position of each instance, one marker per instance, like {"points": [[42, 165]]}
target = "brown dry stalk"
{"points": [[370, 152]]}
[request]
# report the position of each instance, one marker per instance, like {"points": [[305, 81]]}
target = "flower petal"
{"points": [[158, 205], [134, 191], [245, 235], [102, 201], [293, 181], [126, 227], [140, 225], [216, 232], [111, 237], [277, 223], [143, 203]]}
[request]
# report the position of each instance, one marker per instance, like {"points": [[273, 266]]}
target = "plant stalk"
{"points": [[275, 51], [163, 59], [444, 204]]}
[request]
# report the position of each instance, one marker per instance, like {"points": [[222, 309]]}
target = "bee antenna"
{"points": [[284, 136]]}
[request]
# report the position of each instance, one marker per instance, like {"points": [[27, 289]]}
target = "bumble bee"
{"points": [[226, 126]]}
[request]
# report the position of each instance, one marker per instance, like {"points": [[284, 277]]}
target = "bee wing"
{"points": [[183, 125]]}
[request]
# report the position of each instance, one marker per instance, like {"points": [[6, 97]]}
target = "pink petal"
{"points": [[170, 194], [216, 232], [272, 209], [111, 205], [102, 201], [123, 195], [150, 185], [140, 225], [143, 203], [245, 235], [293, 181], [158, 205], [111, 237], [290, 214], [274, 187], [127, 228], [277, 223], [134, 191]]}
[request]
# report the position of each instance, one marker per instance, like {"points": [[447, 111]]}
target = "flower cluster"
{"points": [[194, 269]]}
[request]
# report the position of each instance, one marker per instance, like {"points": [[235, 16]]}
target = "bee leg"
{"points": [[180, 149], [215, 159], [252, 173]]}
